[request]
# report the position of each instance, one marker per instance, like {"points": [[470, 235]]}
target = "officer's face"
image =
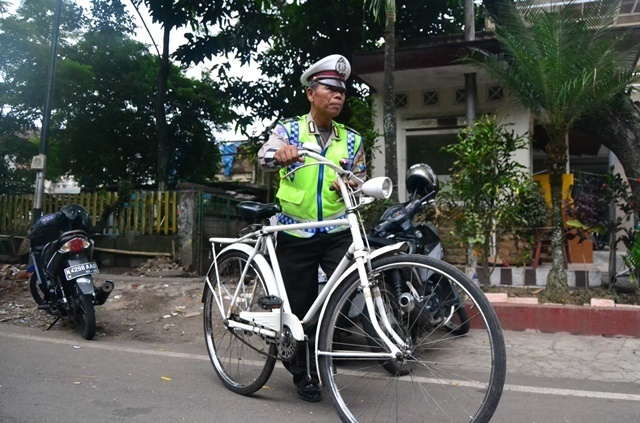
{"points": [[326, 100]]}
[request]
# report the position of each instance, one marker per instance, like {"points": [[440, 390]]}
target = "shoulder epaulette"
{"points": [[350, 129]]}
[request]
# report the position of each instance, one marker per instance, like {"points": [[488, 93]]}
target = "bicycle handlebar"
{"points": [[324, 161]]}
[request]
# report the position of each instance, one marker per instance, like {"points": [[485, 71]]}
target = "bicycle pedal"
{"points": [[270, 302]]}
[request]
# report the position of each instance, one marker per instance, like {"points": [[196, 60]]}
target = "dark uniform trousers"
{"points": [[299, 259]]}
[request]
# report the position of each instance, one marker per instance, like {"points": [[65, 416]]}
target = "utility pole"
{"points": [[470, 78], [39, 162], [470, 91]]}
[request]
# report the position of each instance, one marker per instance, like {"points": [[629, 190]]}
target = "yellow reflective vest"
{"points": [[305, 196]]}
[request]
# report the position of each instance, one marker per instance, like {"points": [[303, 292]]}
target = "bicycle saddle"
{"points": [[255, 210]]}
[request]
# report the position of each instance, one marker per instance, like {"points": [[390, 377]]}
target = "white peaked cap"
{"points": [[333, 70]]}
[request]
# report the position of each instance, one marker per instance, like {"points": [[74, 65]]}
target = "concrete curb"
{"points": [[572, 319], [528, 277], [517, 314]]}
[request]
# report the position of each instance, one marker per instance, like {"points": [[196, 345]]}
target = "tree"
{"points": [[24, 57], [281, 38], [618, 129], [563, 67], [103, 126], [388, 7], [16, 176], [482, 195], [116, 105], [170, 15]]}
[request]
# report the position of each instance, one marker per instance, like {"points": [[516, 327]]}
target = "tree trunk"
{"points": [[389, 106], [160, 112], [557, 285]]}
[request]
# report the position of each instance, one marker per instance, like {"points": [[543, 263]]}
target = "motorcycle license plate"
{"points": [[81, 270]]}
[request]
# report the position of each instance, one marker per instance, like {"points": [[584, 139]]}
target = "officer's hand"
{"points": [[287, 155], [336, 186]]}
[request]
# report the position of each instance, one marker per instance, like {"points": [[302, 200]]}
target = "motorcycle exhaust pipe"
{"points": [[103, 291], [407, 302]]}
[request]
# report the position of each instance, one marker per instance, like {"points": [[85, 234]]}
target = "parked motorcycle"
{"points": [[425, 301], [62, 266]]}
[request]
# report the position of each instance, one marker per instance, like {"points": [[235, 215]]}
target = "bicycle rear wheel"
{"points": [[243, 360], [451, 378]]}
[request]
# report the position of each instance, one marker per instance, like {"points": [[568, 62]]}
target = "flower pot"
{"points": [[579, 250]]}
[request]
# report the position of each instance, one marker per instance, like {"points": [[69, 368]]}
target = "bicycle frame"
{"points": [[270, 323]]}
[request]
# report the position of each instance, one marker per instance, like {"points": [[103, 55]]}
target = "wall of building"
{"points": [[447, 116]]}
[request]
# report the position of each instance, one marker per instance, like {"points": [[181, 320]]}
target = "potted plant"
{"points": [[586, 216]]}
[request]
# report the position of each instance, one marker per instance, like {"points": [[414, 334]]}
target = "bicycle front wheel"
{"points": [[438, 376], [243, 360]]}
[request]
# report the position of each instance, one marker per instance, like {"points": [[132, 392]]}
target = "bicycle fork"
{"points": [[373, 304]]}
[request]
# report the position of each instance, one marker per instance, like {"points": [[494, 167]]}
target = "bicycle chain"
{"points": [[256, 349]]}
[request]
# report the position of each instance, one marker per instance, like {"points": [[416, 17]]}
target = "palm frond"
{"points": [[379, 8], [559, 64]]}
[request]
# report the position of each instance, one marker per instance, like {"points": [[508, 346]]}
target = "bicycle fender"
{"points": [[261, 263], [389, 250]]}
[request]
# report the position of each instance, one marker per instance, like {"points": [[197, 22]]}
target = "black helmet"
{"points": [[77, 215], [421, 180]]}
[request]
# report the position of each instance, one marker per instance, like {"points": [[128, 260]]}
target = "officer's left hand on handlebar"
{"points": [[336, 186], [288, 155]]}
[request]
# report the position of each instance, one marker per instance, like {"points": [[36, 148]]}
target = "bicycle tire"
{"points": [[242, 360], [453, 378]]}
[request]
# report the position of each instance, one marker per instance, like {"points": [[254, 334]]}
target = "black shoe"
{"points": [[310, 392]]}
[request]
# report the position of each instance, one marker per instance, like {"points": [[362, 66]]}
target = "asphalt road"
{"points": [[58, 377]]}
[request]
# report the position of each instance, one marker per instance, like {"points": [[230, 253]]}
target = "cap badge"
{"points": [[341, 67]]}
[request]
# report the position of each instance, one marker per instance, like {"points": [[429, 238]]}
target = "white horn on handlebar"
{"points": [[380, 187]]}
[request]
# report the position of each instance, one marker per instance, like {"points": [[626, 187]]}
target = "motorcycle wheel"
{"points": [[35, 290], [459, 323], [85, 316]]}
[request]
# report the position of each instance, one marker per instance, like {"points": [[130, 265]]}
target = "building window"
{"points": [[459, 96], [430, 98], [495, 93], [427, 148], [402, 100]]}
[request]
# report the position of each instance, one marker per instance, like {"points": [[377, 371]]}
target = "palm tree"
{"points": [[563, 67], [388, 8]]}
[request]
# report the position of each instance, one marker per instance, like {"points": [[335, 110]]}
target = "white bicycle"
{"points": [[385, 362]]}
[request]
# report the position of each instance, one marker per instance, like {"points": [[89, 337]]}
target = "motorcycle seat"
{"points": [[381, 242]]}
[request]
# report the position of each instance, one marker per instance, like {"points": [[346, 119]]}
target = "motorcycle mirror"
{"points": [[380, 187]]}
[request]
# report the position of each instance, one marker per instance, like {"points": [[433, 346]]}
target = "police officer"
{"points": [[312, 194]]}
